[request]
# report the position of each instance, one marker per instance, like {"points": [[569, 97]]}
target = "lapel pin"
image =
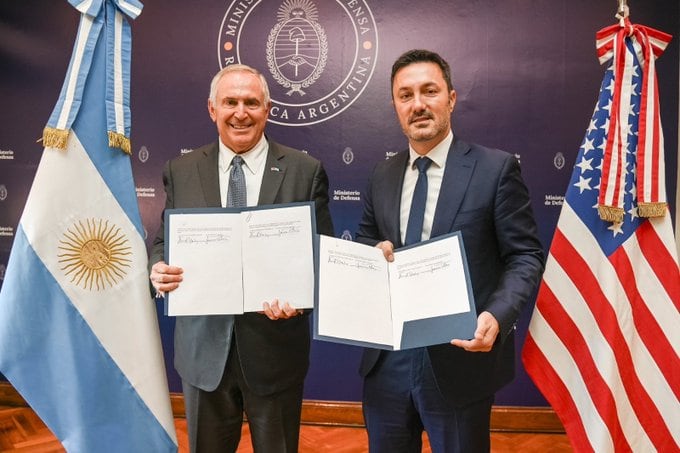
{"points": [[274, 169]]}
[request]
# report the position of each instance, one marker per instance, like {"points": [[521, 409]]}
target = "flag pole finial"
{"points": [[623, 12]]}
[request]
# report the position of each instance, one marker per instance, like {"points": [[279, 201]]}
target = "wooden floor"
{"points": [[21, 431]]}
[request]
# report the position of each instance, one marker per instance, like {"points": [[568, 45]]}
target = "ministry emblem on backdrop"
{"points": [[297, 47], [318, 56]]}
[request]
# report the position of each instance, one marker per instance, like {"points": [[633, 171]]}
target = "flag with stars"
{"points": [[603, 343], [79, 336]]}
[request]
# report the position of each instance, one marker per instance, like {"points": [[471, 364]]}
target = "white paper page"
{"points": [[354, 300], [278, 257], [208, 248], [428, 281]]}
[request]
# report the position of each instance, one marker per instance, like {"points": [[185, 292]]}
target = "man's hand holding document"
{"points": [[421, 298]]}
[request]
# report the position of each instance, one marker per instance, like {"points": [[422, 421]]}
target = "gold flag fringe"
{"points": [[657, 209], [55, 138], [120, 141], [610, 213]]}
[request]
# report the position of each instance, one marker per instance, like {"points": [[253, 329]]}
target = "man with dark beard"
{"points": [[442, 184]]}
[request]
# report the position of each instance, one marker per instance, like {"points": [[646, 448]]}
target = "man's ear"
{"points": [[452, 100], [211, 111]]}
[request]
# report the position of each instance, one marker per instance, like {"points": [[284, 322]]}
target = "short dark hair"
{"points": [[422, 56]]}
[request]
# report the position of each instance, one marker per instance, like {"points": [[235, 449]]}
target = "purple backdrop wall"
{"points": [[526, 75]]}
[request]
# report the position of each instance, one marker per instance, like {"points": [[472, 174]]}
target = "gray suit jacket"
{"points": [[274, 354], [482, 196]]}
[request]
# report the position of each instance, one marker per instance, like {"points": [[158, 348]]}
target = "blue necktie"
{"points": [[236, 195], [414, 229], [236, 198]]}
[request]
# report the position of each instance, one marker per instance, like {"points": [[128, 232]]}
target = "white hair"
{"points": [[237, 68]]}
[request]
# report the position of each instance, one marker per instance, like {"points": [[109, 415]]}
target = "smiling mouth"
{"points": [[239, 127]]}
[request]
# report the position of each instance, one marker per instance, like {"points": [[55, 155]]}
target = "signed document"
{"points": [[422, 298], [278, 257], [236, 259], [207, 245]]}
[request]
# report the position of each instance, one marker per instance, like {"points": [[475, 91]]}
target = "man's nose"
{"points": [[419, 103], [240, 110]]}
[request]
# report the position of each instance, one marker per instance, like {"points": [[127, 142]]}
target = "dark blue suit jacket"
{"points": [[484, 197]]}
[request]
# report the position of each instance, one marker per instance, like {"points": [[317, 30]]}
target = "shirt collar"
{"points": [[437, 154], [253, 158]]}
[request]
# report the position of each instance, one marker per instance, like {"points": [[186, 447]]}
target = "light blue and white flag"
{"points": [[79, 336]]}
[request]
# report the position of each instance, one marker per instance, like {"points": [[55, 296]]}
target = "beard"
{"points": [[425, 131]]}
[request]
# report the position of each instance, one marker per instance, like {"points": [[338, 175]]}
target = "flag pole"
{"points": [[623, 12]]}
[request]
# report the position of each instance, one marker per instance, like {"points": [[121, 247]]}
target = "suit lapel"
{"points": [[208, 169], [457, 174], [272, 177]]}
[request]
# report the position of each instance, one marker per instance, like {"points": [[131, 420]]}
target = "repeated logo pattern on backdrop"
{"points": [[520, 85]]}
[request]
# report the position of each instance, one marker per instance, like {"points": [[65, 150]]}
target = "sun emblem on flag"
{"points": [[94, 254], [297, 47]]}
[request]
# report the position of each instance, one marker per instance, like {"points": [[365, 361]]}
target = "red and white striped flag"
{"points": [[604, 340]]}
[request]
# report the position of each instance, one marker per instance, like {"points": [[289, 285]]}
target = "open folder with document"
{"points": [[234, 259], [422, 298]]}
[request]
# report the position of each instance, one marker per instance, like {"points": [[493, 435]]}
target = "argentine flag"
{"points": [[79, 337]]}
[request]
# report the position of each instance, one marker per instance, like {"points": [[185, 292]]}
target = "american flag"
{"points": [[604, 339]]}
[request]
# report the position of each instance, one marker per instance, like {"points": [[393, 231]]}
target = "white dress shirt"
{"points": [[253, 170], [435, 174]]}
